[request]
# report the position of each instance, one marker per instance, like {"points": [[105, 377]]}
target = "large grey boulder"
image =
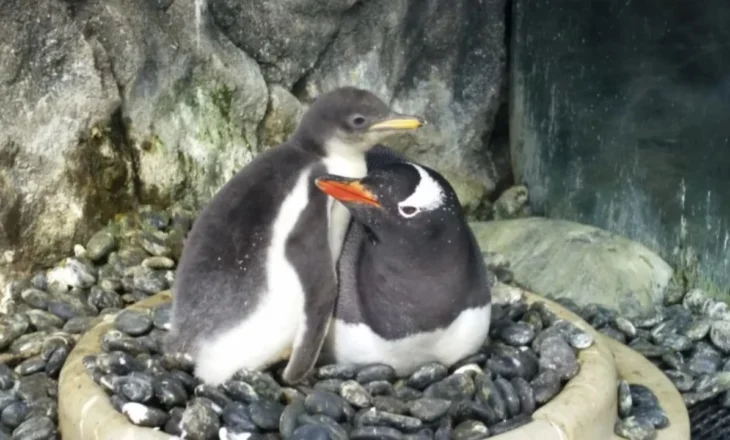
{"points": [[558, 258], [442, 59]]}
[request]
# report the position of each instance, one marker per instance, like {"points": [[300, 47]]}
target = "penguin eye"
{"points": [[358, 121], [407, 211]]}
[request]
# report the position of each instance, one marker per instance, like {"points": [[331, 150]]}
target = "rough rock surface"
{"points": [[106, 104], [579, 262]]}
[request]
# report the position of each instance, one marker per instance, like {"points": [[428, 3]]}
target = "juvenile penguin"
{"points": [[413, 283], [256, 282]]}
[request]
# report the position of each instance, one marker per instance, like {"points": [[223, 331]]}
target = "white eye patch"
{"points": [[428, 195]]}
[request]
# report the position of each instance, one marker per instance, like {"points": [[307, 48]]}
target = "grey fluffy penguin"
{"points": [[413, 283], [256, 282]]}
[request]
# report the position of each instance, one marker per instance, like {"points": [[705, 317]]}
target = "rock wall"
{"points": [[105, 104]]}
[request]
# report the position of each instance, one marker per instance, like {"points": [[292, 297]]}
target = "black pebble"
{"points": [[265, 414], [311, 432], [235, 416], [14, 414], [36, 428], [133, 322], [322, 402], [169, 391], [375, 372]]}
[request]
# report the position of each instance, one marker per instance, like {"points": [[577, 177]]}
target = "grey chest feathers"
{"points": [[412, 281]]}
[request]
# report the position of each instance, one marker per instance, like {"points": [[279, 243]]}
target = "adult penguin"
{"points": [[413, 283], [256, 282]]}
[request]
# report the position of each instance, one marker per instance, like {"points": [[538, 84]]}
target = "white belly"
{"points": [[267, 334], [338, 216], [357, 344]]}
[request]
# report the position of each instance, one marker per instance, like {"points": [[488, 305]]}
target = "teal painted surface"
{"points": [[620, 118]]}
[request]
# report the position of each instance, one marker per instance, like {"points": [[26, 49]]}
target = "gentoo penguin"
{"points": [[413, 283], [256, 282]]}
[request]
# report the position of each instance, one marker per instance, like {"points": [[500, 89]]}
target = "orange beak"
{"points": [[346, 190]]}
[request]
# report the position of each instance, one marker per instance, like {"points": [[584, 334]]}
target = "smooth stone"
{"points": [[704, 362], [525, 394], [100, 245], [311, 432], [428, 409], [44, 321], [546, 386], [355, 394], [632, 428], [136, 387], [72, 272], [328, 404], [677, 342], [265, 414], [720, 335], [262, 382], [35, 298], [235, 416], [143, 415], [699, 329], [656, 416], [288, 420], [375, 433], [36, 428], [336, 431], [11, 328], [380, 388], [390, 404], [200, 421], [7, 377], [642, 396], [67, 308], [646, 348], [624, 399], [80, 324], [213, 393], [509, 394], [570, 250], [158, 262], [336, 371], [682, 380], [454, 387], [329, 385], [488, 393], [377, 372], [30, 344], [161, 316], [31, 365], [14, 414], [556, 354], [104, 299], [625, 326], [427, 374], [33, 387], [517, 334], [133, 322], [240, 391], [401, 422], [470, 430], [169, 391]]}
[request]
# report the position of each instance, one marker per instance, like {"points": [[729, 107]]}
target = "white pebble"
{"points": [[223, 434], [136, 412], [465, 369], [79, 251]]}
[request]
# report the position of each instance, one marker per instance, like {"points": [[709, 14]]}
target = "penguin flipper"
{"points": [[310, 336]]}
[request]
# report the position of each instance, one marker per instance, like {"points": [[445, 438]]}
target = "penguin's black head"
{"points": [[351, 118], [396, 198]]}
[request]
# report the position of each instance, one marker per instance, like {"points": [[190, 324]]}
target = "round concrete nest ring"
{"points": [[586, 408]]}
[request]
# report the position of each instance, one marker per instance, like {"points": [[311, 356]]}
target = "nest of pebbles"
{"points": [[531, 355]]}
